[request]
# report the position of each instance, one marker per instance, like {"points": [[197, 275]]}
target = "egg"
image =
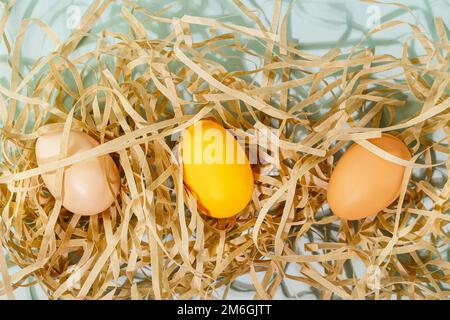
{"points": [[86, 190], [362, 184], [216, 169]]}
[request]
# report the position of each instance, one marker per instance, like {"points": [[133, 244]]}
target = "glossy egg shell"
{"points": [[86, 190], [223, 186], [362, 184]]}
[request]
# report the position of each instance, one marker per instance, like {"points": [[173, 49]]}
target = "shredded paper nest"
{"points": [[134, 94]]}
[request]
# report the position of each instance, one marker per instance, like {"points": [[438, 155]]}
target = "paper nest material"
{"points": [[153, 243]]}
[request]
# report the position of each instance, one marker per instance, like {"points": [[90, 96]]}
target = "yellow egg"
{"points": [[216, 169], [86, 190], [362, 184]]}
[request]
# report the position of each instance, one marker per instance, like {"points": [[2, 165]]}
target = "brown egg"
{"points": [[86, 190], [363, 184]]}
